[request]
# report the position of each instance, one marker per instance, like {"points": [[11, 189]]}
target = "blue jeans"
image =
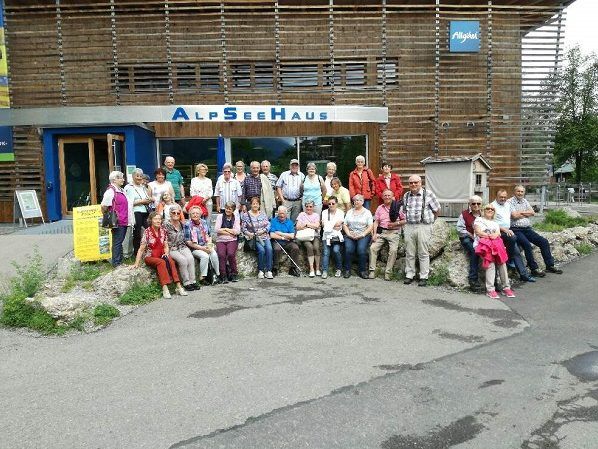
{"points": [[474, 259], [526, 237], [336, 248], [264, 254], [362, 246], [366, 203], [118, 237], [514, 253]]}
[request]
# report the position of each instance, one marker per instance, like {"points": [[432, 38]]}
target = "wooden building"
{"points": [[119, 69]]}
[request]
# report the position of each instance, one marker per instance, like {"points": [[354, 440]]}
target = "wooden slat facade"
{"points": [[382, 53]]}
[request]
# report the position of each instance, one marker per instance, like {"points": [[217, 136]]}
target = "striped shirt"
{"points": [[290, 184], [414, 204], [252, 187], [228, 191], [259, 225], [520, 206]]}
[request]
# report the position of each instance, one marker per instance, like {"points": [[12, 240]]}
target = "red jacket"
{"points": [[491, 250], [364, 185], [395, 185], [197, 201]]}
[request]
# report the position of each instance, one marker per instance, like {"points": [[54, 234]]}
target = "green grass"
{"points": [[558, 220], [439, 276], [141, 294], [103, 314], [453, 234], [84, 275], [584, 248]]}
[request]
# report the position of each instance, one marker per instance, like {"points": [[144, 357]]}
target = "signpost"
{"points": [[91, 241]]}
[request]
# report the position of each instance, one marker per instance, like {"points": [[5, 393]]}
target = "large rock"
{"points": [[68, 306], [119, 280], [440, 233]]}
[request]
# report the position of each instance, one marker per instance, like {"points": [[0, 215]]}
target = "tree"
{"points": [[577, 124]]}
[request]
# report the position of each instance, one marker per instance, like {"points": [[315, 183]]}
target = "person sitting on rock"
{"points": [[521, 211], [199, 241], [388, 219], [467, 237], [282, 233]]}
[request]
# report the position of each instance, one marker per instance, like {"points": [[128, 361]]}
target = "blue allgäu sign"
{"points": [[6, 149], [464, 36]]}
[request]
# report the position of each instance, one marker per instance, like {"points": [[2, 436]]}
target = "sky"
{"points": [[581, 25]]}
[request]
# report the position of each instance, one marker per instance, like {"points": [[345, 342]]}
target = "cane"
{"points": [[289, 256]]}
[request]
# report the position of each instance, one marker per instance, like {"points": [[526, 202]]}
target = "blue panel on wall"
{"points": [[464, 36]]}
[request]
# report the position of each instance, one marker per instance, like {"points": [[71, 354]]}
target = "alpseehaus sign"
{"points": [[111, 115], [464, 36]]}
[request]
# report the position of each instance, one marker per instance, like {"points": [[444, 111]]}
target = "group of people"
{"points": [[275, 215], [493, 234]]}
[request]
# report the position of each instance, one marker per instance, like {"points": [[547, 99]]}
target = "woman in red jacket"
{"points": [[388, 180], [362, 182]]}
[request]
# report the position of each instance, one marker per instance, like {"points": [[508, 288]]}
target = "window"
{"points": [[355, 74], [150, 77], [209, 77], [264, 75], [186, 76], [329, 76], [389, 68], [340, 149], [478, 180], [299, 75], [241, 76]]}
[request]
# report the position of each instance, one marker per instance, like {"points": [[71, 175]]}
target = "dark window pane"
{"points": [[209, 76], [190, 152], [278, 150]]}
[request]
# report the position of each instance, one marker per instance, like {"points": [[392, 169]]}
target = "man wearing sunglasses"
{"points": [[466, 237]]}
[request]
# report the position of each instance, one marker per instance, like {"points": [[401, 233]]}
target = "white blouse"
{"points": [[201, 187]]}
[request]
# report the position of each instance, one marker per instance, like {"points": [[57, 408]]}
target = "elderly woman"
{"points": [[199, 241], [179, 250], [330, 175], [115, 199], [310, 219], [155, 252], [358, 227], [240, 176], [362, 182], [255, 224], [139, 195], [159, 186], [332, 236], [201, 186], [343, 199], [313, 188], [489, 246], [228, 228]]}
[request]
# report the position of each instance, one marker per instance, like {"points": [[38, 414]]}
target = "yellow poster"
{"points": [[91, 240]]}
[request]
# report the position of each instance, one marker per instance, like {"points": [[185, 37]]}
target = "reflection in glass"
{"points": [[278, 150], [190, 152], [76, 165], [341, 149]]}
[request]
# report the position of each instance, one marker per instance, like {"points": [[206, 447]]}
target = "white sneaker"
{"points": [[337, 274], [318, 273], [166, 292], [260, 275], [312, 274], [269, 275], [324, 275], [181, 291]]}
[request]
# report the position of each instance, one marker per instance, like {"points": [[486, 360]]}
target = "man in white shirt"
{"points": [[227, 188]]}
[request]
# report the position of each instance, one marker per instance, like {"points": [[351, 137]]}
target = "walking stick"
{"points": [[289, 256]]}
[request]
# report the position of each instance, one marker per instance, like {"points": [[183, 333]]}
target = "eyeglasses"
{"points": [[332, 204], [489, 208], [173, 212], [475, 204], [226, 171], [414, 182]]}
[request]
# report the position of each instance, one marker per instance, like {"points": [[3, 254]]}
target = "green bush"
{"points": [[584, 248], [558, 220], [85, 274], [30, 277], [103, 314], [453, 234], [439, 275], [141, 294]]}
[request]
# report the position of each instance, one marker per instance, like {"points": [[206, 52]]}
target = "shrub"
{"points": [[85, 274], [584, 248], [103, 314], [439, 275], [141, 294], [557, 220], [453, 234], [30, 277]]}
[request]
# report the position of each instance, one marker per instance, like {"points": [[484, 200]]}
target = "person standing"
{"points": [[388, 219], [240, 177], [503, 217], [115, 199], [252, 186], [362, 182], [421, 210], [201, 186], [330, 175], [389, 180], [288, 188], [467, 237], [521, 211], [228, 189], [176, 179], [138, 194], [313, 189], [228, 228], [343, 198], [159, 186], [266, 167]]}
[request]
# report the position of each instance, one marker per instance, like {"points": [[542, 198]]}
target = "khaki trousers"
{"points": [[393, 238], [417, 242]]}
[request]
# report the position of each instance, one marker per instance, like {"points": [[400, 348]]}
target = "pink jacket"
{"points": [[491, 250]]}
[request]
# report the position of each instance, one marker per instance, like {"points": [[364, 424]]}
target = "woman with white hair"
{"points": [[313, 189], [115, 199], [141, 199], [330, 175], [362, 182], [358, 233], [201, 186]]}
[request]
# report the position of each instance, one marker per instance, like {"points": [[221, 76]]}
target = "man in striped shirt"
{"points": [[227, 188], [289, 189]]}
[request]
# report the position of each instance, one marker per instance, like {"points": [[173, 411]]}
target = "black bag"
{"points": [[110, 219], [250, 244]]}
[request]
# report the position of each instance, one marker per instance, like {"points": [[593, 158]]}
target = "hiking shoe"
{"points": [[387, 277], [234, 278], [269, 275], [260, 275], [372, 275], [324, 275], [553, 269], [537, 273], [407, 281], [493, 295], [364, 275], [508, 293], [347, 274], [165, 292], [528, 278], [422, 283], [337, 274]]}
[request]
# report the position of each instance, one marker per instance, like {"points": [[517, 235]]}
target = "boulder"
{"points": [[440, 233], [119, 280], [68, 306]]}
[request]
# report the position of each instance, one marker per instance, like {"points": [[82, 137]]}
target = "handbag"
{"points": [[109, 218], [305, 235], [251, 244]]}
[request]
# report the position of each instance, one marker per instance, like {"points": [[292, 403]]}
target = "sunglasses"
{"points": [[332, 204], [173, 212], [414, 182], [475, 204], [489, 208]]}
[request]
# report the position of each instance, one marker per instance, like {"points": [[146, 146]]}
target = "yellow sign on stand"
{"points": [[91, 240]]}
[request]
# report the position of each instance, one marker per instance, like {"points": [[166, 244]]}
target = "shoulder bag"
{"points": [[109, 218]]}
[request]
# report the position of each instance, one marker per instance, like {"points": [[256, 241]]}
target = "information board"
{"points": [[91, 241], [27, 205]]}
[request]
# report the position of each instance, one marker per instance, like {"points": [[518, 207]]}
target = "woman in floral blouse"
{"points": [[178, 248]]}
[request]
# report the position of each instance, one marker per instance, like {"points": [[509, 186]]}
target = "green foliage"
{"points": [[30, 277], [557, 220], [439, 275], [584, 248], [453, 234], [141, 294], [103, 314], [85, 274]]}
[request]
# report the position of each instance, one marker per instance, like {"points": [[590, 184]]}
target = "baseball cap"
{"points": [[294, 161]]}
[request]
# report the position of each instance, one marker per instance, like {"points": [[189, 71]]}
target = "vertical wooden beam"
{"points": [[331, 73]]}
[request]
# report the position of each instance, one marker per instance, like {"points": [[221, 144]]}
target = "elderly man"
{"points": [[388, 219], [466, 237], [521, 211], [227, 189], [266, 167], [288, 188], [282, 233], [252, 186], [502, 216], [199, 241], [421, 210], [175, 178]]}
